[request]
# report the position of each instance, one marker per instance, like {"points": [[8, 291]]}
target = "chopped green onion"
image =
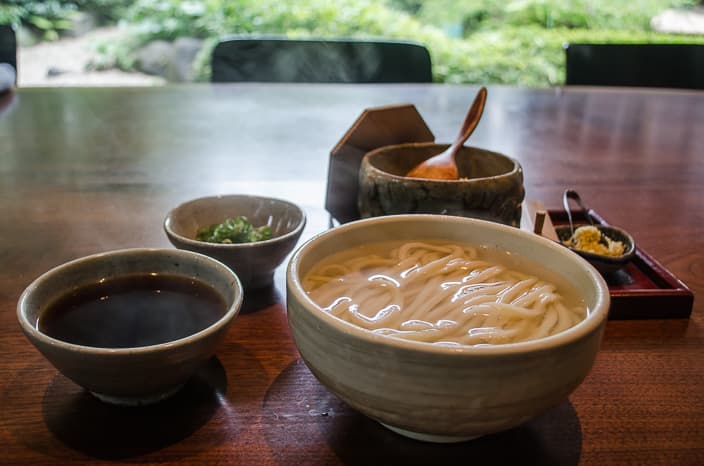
{"points": [[239, 230]]}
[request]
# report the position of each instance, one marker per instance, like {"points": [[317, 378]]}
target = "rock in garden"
{"points": [[675, 21], [155, 58], [184, 53], [81, 24]]}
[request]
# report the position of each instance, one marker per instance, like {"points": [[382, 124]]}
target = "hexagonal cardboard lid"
{"points": [[375, 127]]}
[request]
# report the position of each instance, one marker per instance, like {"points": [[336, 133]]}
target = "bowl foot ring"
{"points": [[136, 400], [423, 437]]}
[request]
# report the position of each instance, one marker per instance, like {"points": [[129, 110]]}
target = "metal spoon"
{"points": [[443, 165], [603, 230], [571, 194]]}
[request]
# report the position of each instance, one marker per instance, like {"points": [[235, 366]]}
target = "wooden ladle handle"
{"points": [[471, 121]]}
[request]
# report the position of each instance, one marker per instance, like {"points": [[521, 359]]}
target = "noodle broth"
{"points": [[444, 293]]}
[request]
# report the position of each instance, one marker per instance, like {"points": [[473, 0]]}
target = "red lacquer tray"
{"points": [[643, 289]]}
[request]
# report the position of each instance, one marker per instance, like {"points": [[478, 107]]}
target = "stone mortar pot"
{"points": [[490, 185]]}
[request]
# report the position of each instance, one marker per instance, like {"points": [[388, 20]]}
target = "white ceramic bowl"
{"points": [[130, 376], [438, 393], [254, 263]]}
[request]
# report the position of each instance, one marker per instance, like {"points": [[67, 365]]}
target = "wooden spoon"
{"points": [[443, 166]]}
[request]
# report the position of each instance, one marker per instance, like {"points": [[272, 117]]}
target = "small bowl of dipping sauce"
{"points": [[250, 234], [131, 326]]}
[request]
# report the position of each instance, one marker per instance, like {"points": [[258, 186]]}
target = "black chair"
{"points": [[278, 59], [8, 46], [8, 56], [640, 65]]}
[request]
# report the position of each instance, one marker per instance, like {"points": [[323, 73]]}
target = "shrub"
{"points": [[586, 14], [51, 17]]}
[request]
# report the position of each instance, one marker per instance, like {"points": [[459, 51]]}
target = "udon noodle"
{"points": [[441, 293]]}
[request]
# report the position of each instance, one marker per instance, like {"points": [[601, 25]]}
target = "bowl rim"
{"points": [[33, 331], [596, 318], [191, 242], [517, 168]]}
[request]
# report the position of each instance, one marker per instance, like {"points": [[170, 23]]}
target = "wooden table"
{"points": [[89, 170]]}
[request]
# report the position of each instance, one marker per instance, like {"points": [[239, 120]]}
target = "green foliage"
{"points": [[409, 6], [47, 18], [512, 42], [201, 64], [10, 14], [169, 19], [118, 55], [105, 10], [526, 56], [589, 14], [51, 17], [521, 42]]}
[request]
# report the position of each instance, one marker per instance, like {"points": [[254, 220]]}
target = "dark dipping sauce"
{"points": [[133, 311]]}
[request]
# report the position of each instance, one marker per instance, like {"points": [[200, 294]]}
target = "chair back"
{"points": [[8, 46], [8, 57], [640, 65], [278, 59]]}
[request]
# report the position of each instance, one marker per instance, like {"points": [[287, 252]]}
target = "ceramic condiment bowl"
{"points": [[445, 393], [490, 185], [254, 263], [607, 265], [139, 375]]}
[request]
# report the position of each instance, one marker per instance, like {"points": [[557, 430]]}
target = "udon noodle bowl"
{"points": [[443, 293]]}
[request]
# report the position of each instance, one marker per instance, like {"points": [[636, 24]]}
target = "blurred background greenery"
{"points": [[471, 41]]}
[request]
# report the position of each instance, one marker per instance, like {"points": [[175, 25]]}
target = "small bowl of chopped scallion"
{"points": [[250, 234]]}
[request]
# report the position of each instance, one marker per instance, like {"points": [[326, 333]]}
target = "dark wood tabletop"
{"points": [[94, 169]]}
